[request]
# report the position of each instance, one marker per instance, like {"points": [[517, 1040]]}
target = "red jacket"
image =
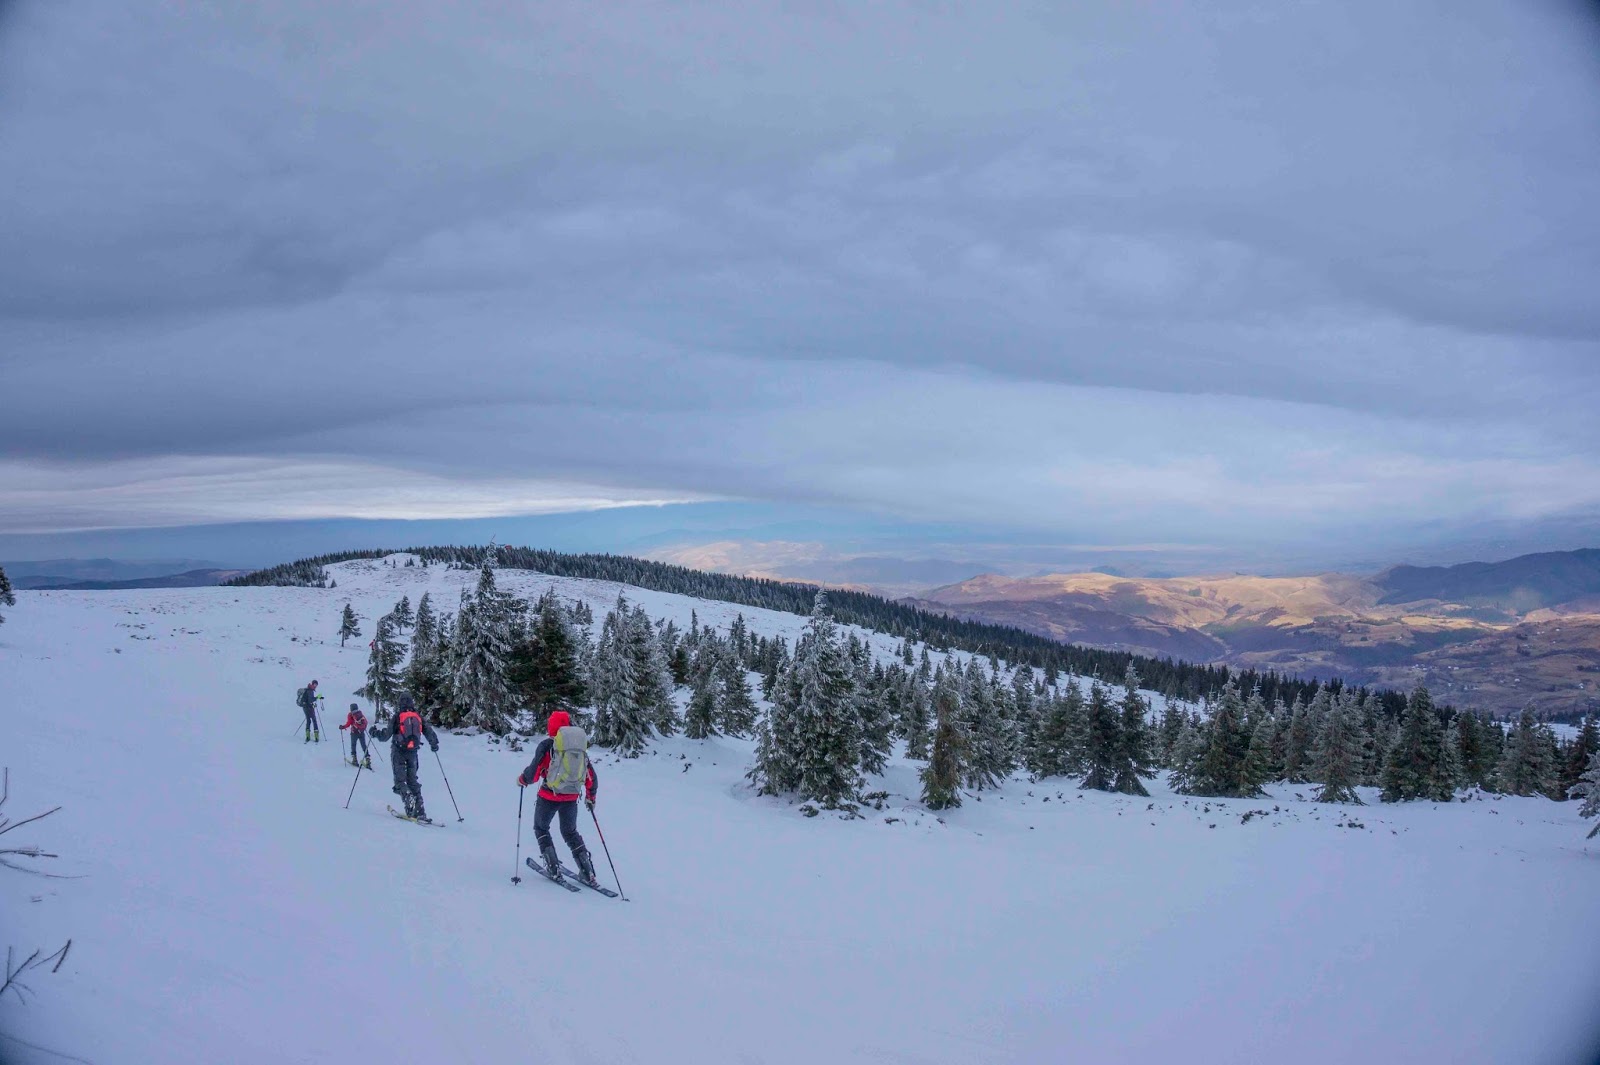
{"points": [[360, 725], [541, 762]]}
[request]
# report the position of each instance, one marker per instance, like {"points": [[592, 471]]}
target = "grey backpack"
{"points": [[569, 761]]}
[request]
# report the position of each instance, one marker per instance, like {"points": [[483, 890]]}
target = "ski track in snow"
{"points": [[231, 911]]}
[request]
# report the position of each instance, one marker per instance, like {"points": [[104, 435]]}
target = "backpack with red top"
{"points": [[408, 729], [358, 720]]}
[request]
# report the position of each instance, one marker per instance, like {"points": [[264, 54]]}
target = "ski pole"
{"points": [[447, 786], [516, 870], [607, 849], [353, 784]]}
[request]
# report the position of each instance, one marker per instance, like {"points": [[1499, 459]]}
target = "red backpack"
{"points": [[408, 728]]}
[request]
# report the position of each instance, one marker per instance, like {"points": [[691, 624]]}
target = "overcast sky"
{"points": [[1214, 274]]}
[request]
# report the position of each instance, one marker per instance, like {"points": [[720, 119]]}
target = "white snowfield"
{"points": [[230, 911]]}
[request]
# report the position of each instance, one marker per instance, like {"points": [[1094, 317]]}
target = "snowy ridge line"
{"points": [[1177, 678]]}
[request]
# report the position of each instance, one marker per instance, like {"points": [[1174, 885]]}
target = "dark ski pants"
{"points": [[543, 811], [405, 777], [360, 737], [311, 718]]}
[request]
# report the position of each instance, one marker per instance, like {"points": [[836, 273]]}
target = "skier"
{"points": [[357, 724], [308, 703], [406, 733], [561, 766]]}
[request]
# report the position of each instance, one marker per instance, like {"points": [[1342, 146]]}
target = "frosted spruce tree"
{"points": [[652, 680], [383, 667], [1133, 739], [1222, 767], [403, 617], [989, 759], [811, 744], [1588, 789], [1339, 754], [1187, 758], [620, 723], [544, 670], [1577, 756], [877, 722], [1056, 750], [916, 708], [426, 675], [1528, 765], [7, 596], [736, 705], [1102, 751], [941, 777], [349, 624], [485, 627], [1413, 768]]}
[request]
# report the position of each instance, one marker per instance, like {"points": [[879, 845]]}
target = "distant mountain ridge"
{"points": [[1518, 585], [195, 578], [1496, 635]]}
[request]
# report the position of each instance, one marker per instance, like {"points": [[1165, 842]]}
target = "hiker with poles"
{"points": [[306, 699], [356, 722], [562, 769], [405, 734]]}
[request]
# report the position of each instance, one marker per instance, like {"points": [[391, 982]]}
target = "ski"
{"points": [[542, 871], [575, 878], [413, 820]]}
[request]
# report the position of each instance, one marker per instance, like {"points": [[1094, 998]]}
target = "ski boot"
{"points": [[552, 864], [308, 735], [585, 866], [366, 763], [319, 737], [420, 814]]}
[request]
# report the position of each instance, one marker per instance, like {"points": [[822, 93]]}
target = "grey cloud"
{"points": [[670, 248]]}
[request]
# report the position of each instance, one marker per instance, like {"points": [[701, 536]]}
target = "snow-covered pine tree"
{"points": [[426, 676], [1102, 751], [1133, 738], [544, 670], [426, 626], [1024, 709], [1257, 768], [348, 624], [1221, 770], [1187, 758], [385, 654], [736, 705], [877, 723], [989, 758], [1452, 771], [1412, 767], [700, 718], [941, 777], [916, 708], [620, 722], [652, 680], [403, 617], [1588, 789], [1528, 767], [1339, 754], [811, 745], [1575, 759], [485, 629], [7, 596]]}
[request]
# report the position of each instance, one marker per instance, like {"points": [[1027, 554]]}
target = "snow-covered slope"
{"points": [[231, 911]]}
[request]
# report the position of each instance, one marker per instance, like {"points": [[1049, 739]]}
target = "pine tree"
{"points": [[1187, 758], [7, 596], [403, 617], [1588, 789], [812, 742], [989, 758], [425, 629], [1297, 744], [1452, 771], [1103, 750], [1338, 756], [348, 624], [1133, 751], [383, 667], [1578, 755], [736, 706], [1257, 768], [624, 699], [652, 679], [1222, 768], [1527, 766], [1413, 767], [941, 777], [916, 705], [426, 676], [485, 629], [700, 719]]}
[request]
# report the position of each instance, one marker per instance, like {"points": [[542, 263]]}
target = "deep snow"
{"points": [[231, 911]]}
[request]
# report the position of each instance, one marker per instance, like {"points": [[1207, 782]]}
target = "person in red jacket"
{"points": [[357, 724], [562, 769]]}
